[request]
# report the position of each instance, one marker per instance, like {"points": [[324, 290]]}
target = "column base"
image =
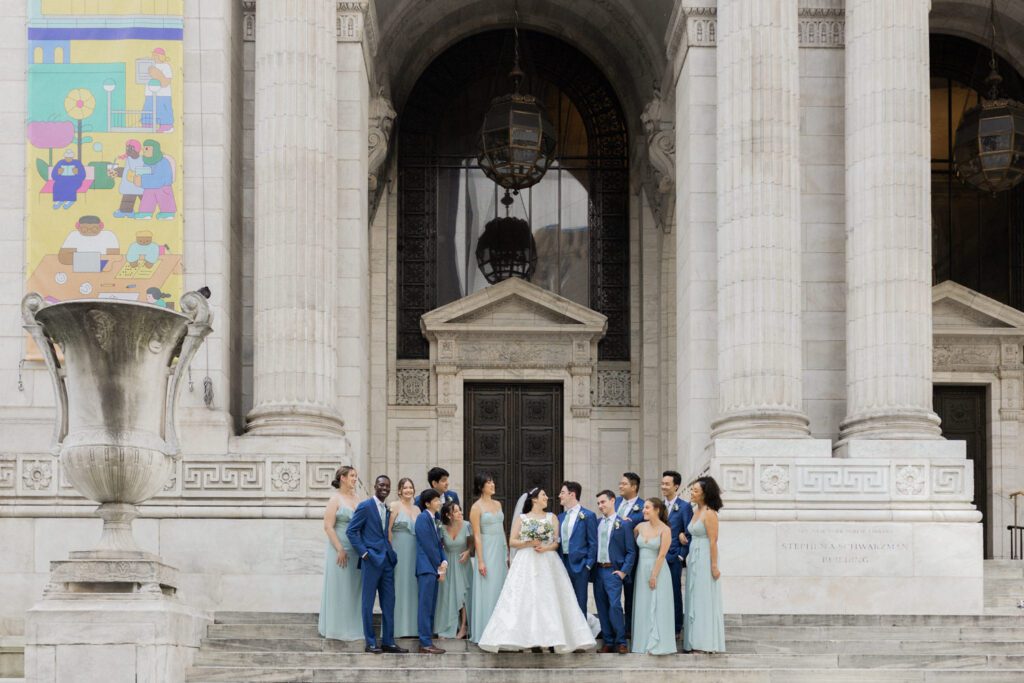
{"points": [[905, 424], [900, 448], [764, 424], [289, 419]]}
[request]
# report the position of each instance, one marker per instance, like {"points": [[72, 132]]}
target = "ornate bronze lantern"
{"points": [[507, 248], [517, 141], [989, 150]]}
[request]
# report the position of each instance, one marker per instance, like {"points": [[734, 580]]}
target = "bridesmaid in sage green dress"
{"points": [[403, 540], [654, 619], [453, 594], [491, 555], [343, 582], [704, 624]]}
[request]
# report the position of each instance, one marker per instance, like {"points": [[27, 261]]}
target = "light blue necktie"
{"points": [[602, 554], [383, 516]]}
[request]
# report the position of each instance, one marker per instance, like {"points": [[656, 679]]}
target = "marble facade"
{"points": [[816, 445]]}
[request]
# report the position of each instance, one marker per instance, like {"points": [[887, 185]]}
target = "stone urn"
{"points": [[116, 378]]}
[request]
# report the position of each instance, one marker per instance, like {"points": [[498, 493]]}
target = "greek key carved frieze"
{"points": [[209, 476], [7, 474], [840, 479], [319, 475]]}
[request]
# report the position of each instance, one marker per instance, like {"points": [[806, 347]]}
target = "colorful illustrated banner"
{"points": [[104, 150]]}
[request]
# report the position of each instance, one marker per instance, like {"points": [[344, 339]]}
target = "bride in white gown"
{"points": [[537, 606]]}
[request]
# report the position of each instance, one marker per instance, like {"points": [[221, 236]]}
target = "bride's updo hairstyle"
{"points": [[531, 496]]}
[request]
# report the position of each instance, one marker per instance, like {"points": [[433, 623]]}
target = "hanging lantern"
{"points": [[517, 141], [506, 249], [989, 149]]}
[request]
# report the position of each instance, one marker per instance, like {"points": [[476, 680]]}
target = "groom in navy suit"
{"points": [[367, 532], [437, 479], [578, 533], [679, 515], [616, 557], [431, 567]]}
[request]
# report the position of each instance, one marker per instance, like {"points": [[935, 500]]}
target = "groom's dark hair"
{"points": [[573, 487], [606, 492], [634, 479], [426, 497]]}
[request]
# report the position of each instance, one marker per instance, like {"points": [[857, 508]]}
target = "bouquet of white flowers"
{"points": [[537, 530]]}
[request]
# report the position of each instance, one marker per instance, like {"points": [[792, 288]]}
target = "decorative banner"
{"points": [[104, 213]]}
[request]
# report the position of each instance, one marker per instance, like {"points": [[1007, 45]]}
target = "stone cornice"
{"points": [[357, 22], [821, 27]]}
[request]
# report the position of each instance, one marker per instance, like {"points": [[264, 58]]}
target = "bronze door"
{"points": [[964, 418], [514, 433]]}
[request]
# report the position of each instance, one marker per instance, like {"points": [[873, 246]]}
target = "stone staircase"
{"points": [[280, 647], [1004, 586]]}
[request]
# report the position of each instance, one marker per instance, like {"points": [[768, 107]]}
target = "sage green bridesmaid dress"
{"points": [[340, 616], [654, 618], [453, 592], [485, 591], [703, 624], [403, 540]]}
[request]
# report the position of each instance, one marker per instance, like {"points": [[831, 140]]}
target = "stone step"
{"points": [[12, 661], [766, 632], [1014, 571], [643, 669], [241, 647], [265, 618], [1004, 587], [485, 660]]}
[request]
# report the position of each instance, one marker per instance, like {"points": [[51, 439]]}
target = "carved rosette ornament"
{"points": [[285, 476], [116, 384], [774, 479], [910, 480]]}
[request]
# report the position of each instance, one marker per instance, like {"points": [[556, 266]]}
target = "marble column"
{"points": [[759, 336], [296, 232], [888, 223]]}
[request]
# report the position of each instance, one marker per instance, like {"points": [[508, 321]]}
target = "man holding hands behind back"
{"points": [[679, 515], [367, 532], [431, 567]]}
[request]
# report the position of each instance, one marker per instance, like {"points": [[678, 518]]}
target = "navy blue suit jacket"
{"points": [[678, 521], [429, 548], [622, 551], [368, 538], [445, 497], [636, 513], [583, 543]]}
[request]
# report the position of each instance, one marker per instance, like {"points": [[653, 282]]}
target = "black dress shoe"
{"points": [[373, 649], [431, 650], [395, 650]]}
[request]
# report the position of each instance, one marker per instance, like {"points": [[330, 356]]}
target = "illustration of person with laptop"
{"points": [[86, 246]]}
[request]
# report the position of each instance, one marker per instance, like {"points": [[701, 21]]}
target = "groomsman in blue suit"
{"points": [[431, 566], [679, 515], [578, 534], [616, 558], [437, 479], [629, 505], [368, 534]]}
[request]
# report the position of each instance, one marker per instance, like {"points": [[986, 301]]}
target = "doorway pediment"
{"points": [[957, 309], [513, 306]]}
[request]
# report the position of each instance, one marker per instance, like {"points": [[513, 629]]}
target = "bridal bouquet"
{"points": [[537, 530]]}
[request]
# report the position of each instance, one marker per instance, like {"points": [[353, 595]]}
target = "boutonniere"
{"points": [[636, 508], [582, 515], [618, 525], [675, 507]]}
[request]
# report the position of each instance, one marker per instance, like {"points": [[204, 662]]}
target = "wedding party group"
{"points": [[436, 574]]}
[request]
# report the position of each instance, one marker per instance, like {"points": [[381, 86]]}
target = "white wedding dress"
{"points": [[537, 606]]}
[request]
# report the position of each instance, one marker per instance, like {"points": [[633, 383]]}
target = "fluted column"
{"points": [[759, 354], [888, 222], [296, 219]]}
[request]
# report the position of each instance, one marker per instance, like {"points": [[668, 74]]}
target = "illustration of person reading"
{"points": [[130, 192], [156, 297], [159, 89], [157, 192], [143, 251], [68, 174], [84, 246]]}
